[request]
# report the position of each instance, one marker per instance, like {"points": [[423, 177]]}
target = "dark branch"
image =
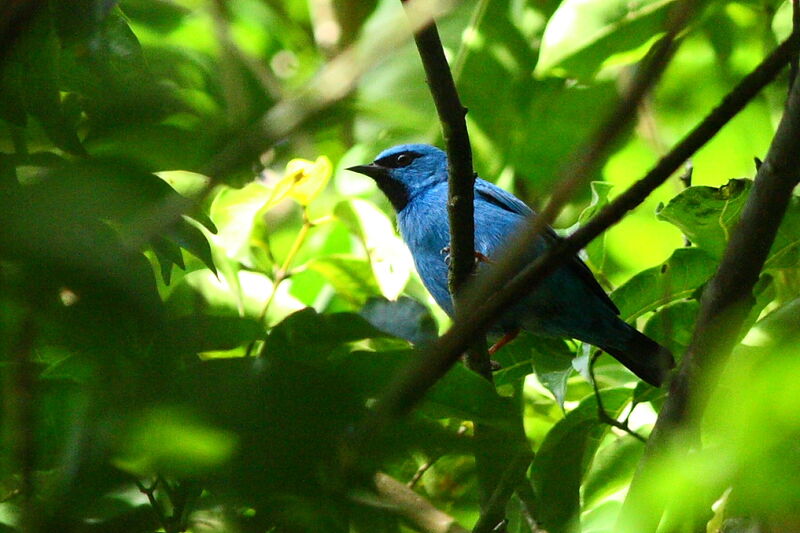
{"points": [[460, 211], [795, 64], [725, 303]]}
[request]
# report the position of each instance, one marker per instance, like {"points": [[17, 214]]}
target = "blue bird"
{"points": [[569, 303]]}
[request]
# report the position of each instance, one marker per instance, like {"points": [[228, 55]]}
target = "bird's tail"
{"points": [[643, 356]]}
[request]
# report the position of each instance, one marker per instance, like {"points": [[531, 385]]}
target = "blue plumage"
{"points": [[569, 303]]}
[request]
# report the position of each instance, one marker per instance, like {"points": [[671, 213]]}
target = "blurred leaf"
{"points": [[672, 325], [596, 250], [676, 279], [461, 393], [564, 456], [168, 253], [237, 212], [302, 180], [780, 326], [189, 184], [201, 333], [612, 468], [583, 34], [351, 277], [174, 443], [388, 255], [161, 15], [36, 55], [405, 318], [291, 338]]}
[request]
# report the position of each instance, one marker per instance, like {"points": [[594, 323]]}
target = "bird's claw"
{"points": [[479, 257]]}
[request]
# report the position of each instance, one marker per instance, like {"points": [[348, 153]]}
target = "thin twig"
{"points": [[424, 467], [513, 475], [602, 415], [724, 305], [154, 504], [335, 81], [413, 508], [527, 499], [20, 399], [686, 180]]}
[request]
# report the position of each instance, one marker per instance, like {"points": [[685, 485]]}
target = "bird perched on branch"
{"points": [[569, 303]]}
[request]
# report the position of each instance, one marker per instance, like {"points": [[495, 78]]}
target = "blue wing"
{"points": [[505, 200]]}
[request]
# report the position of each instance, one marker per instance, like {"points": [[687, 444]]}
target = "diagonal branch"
{"points": [[413, 508], [723, 308]]}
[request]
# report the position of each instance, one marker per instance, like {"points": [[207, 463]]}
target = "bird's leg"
{"points": [[479, 257], [508, 337]]}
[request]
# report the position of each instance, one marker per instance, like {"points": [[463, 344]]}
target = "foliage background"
{"points": [[139, 267]]}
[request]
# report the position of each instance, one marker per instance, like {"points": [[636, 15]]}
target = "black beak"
{"points": [[393, 189], [372, 170]]}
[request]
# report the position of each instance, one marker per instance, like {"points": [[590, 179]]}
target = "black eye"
{"points": [[403, 159]]}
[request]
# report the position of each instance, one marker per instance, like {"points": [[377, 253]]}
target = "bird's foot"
{"points": [[479, 257]]}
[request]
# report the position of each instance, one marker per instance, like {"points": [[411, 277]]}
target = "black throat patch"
{"points": [[396, 192]]}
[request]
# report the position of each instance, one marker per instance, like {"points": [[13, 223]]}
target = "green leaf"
{"points": [[461, 393], [564, 457], [708, 215], [37, 58], [388, 255], [672, 325], [351, 277], [779, 326], [238, 212], [166, 441], [596, 250], [201, 333], [550, 358], [405, 318], [291, 336], [676, 279], [611, 469], [582, 35]]}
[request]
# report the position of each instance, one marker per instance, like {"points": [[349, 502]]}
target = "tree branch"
{"points": [[413, 508], [723, 308], [460, 211]]}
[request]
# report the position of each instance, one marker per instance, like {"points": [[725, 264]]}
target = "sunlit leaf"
{"points": [[173, 442], [302, 180], [677, 279], [582, 34], [708, 215], [350, 276], [596, 250], [388, 256]]}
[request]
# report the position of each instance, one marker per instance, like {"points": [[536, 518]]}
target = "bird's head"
{"points": [[404, 171]]}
